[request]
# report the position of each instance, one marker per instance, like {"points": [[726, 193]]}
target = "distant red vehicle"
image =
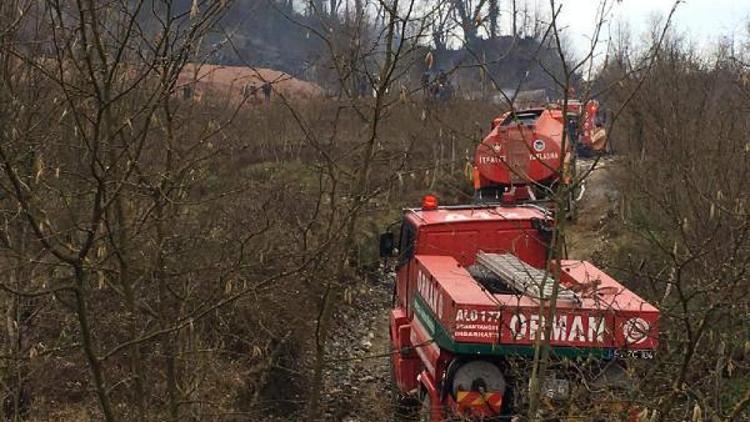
{"points": [[525, 148]]}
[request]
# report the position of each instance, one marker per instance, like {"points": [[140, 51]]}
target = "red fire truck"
{"points": [[473, 297], [525, 148]]}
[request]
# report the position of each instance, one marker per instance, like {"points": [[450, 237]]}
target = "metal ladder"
{"points": [[523, 277]]}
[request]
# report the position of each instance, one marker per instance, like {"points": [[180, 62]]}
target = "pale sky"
{"points": [[702, 21]]}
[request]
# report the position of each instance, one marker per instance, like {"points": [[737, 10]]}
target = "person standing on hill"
{"points": [[425, 81], [266, 88]]}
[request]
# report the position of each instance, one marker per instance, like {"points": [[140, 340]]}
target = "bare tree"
{"points": [[493, 14]]}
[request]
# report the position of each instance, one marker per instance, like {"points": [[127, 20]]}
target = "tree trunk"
{"points": [[87, 344], [493, 15]]}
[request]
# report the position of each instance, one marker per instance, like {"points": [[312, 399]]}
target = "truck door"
{"points": [[406, 248]]}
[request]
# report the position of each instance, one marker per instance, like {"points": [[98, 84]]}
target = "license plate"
{"points": [[634, 354]]}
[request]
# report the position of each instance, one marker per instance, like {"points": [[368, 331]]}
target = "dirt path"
{"points": [[587, 238], [358, 379]]}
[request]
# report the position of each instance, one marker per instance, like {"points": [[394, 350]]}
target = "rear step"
{"points": [[523, 277]]}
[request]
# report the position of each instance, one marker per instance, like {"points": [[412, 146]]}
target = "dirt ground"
{"points": [[358, 379], [598, 205]]}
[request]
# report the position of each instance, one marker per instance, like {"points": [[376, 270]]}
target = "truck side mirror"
{"points": [[386, 245]]}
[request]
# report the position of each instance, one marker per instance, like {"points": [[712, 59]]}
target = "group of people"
{"points": [[437, 87], [251, 91]]}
